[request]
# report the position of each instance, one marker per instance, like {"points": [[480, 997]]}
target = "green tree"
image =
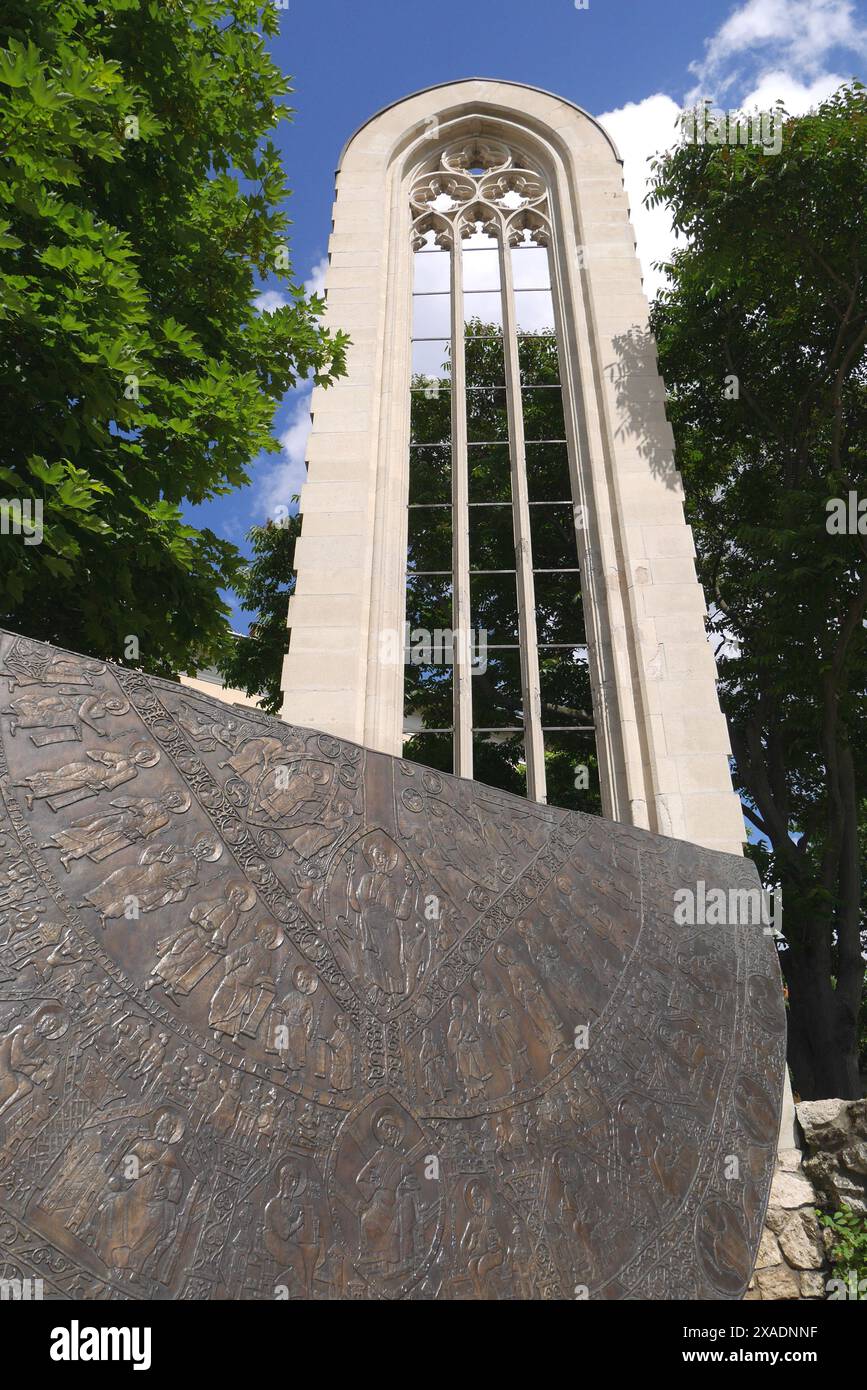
{"points": [[264, 586], [762, 339], [141, 198]]}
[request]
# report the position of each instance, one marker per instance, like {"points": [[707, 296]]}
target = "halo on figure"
{"points": [[311, 976], [115, 705], [180, 801], [52, 1011], [206, 849], [249, 892], [144, 755], [389, 1114], [165, 1111], [276, 936], [291, 1164], [388, 847], [475, 1196]]}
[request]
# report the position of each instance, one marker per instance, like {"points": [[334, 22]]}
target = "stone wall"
{"points": [[826, 1171]]}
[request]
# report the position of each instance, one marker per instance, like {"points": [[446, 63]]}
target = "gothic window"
{"points": [[497, 682]]}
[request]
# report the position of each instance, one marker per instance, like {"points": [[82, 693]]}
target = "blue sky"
{"points": [[633, 63]]}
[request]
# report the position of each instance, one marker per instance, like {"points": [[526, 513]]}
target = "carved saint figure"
{"points": [[378, 1181], [137, 1218], [241, 999], [481, 1242], [294, 1021], [292, 1234], [132, 818], [104, 770], [187, 954], [465, 1045], [27, 1058], [164, 874], [382, 896], [61, 715]]}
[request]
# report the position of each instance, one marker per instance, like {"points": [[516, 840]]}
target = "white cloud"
{"points": [[796, 36], [284, 479], [765, 50], [316, 283], [640, 130], [269, 300]]}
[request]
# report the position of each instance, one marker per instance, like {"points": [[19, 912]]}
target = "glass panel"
{"points": [[543, 413], [492, 539], [552, 536], [499, 762], [534, 311], [490, 473], [429, 605], [539, 361], [548, 473], [430, 539], [427, 696], [431, 750], [481, 270], [430, 474], [485, 308], [432, 316], [485, 362], [530, 268], [559, 612], [494, 608], [487, 415], [497, 697], [572, 772], [432, 358], [564, 676], [431, 416], [432, 272]]}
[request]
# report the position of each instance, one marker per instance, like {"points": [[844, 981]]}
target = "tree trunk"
{"points": [[823, 1041]]}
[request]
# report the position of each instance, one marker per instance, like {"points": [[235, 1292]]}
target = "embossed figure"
{"points": [[295, 1021], [130, 820], [138, 1216], [33, 667], [189, 953], [432, 1067], [241, 1000], [27, 1058], [105, 769], [340, 1051], [465, 1046], [481, 1242], [378, 1181], [164, 874], [530, 997], [152, 1058], [292, 1227], [225, 1112], [382, 896], [61, 715]]}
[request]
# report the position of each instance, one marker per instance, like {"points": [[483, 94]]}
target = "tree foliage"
{"points": [[763, 346], [141, 195], [264, 586]]}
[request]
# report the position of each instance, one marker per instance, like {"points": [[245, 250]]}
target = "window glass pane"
{"points": [[429, 604], [499, 762], [432, 358], [481, 270], [431, 750], [430, 474], [539, 361], [487, 415], [534, 311], [490, 473], [431, 417], [427, 695], [492, 538], [552, 536], [530, 268], [572, 772], [548, 473], [483, 308], [559, 612], [543, 413], [485, 362], [494, 608], [432, 316], [430, 539], [564, 676], [496, 691], [432, 272]]}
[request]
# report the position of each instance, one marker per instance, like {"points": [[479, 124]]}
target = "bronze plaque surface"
{"points": [[284, 1018]]}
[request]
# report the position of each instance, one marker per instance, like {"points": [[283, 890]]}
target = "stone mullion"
{"points": [[462, 691], [534, 746]]}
